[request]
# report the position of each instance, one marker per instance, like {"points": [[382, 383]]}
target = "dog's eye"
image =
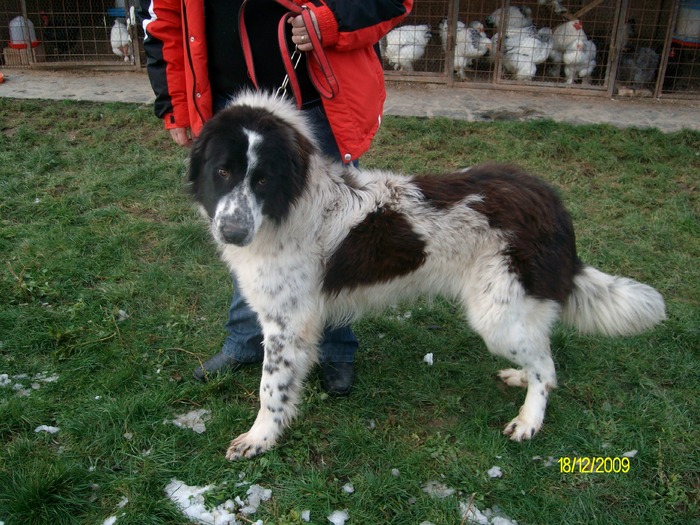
{"points": [[223, 173], [262, 181]]}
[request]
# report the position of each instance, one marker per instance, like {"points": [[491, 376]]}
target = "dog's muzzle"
{"points": [[234, 221]]}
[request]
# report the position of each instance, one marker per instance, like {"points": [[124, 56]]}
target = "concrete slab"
{"points": [[404, 99]]}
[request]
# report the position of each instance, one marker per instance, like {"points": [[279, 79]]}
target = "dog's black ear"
{"points": [[196, 162]]}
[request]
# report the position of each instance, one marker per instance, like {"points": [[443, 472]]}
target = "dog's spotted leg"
{"points": [[287, 361], [517, 327], [539, 379], [513, 377]]}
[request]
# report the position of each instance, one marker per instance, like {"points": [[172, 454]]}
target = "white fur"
{"points": [[611, 305]]}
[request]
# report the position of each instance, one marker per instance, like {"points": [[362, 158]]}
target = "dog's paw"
{"points": [[521, 429], [245, 447], [513, 377]]}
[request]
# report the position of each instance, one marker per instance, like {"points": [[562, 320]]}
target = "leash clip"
{"points": [[295, 59]]}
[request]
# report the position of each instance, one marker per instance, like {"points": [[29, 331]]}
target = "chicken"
{"points": [[470, 43], [120, 40], [514, 21], [522, 51], [404, 45], [579, 60], [461, 28], [639, 68], [510, 18], [564, 35], [555, 4]]}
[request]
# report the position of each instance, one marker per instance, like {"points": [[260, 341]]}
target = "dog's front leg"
{"points": [[288, 358]]}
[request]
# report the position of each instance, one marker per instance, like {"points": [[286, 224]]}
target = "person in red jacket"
{"points": [[200, 53]]}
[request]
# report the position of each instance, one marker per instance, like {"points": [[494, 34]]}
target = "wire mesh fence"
{"points": [[68, 32], [611, 47], [641, 47]]}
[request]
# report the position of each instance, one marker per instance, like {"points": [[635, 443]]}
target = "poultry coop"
{"points": [[606, 47], [76, 33], [598, 47]]}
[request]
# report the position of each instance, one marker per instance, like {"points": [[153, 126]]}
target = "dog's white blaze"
{"points": [[254, 139]]}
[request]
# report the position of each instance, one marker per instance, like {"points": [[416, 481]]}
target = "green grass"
{"points": [[94, 220]]}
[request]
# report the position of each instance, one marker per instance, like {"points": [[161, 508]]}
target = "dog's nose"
{"points": [[233, 234]]}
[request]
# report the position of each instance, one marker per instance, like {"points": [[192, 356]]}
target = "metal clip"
{"points": [[295, 59]]}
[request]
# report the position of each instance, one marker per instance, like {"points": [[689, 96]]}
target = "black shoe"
{"points": [[337, 378], [218, 364]]}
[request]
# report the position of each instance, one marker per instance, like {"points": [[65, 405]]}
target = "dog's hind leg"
{"points": [[517, 328], [288, 359]]}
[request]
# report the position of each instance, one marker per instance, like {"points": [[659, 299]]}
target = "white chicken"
{"points": [[470, 43], [555, 5], [510, 18], [406, 44], [513, 22], [523, 51], [120, 40], [564, 35], [579, 60]]}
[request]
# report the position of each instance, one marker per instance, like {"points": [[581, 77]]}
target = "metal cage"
{"points": [[604, 47], [59, 33], [611, 47]]}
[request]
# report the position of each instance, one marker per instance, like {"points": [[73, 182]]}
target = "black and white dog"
{"points": [[313, 242]]}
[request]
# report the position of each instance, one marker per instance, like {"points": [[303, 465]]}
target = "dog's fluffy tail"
{"points": [[611, 305]]}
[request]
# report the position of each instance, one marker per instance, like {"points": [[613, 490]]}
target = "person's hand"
{"points": [[182, 136], [300, 35]]}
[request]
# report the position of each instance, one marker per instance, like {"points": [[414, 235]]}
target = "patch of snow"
{"points": [[45, 379], [110, 521], [339, 517], [471, 514], [495, 472], [193, 420], [306, 516], [428, 358], [438, 490], [256, 495], [500, 520], [395, 472], [34, 382], [47, 428], [630, 453], [123, 502], [348, 488], [190, 501]]}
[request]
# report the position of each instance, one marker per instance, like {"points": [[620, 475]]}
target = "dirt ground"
{"points": [[404, 99]]}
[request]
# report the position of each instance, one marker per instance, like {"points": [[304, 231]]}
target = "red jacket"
{"points": [[176, 47]]}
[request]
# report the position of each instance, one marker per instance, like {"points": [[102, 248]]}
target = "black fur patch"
{"points": [[542, 244], [381, 247]]}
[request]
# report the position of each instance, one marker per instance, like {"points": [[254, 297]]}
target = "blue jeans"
{"points": [[244, 342]]}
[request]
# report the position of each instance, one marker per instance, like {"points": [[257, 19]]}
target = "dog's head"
{"points": [[249, 165]]}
